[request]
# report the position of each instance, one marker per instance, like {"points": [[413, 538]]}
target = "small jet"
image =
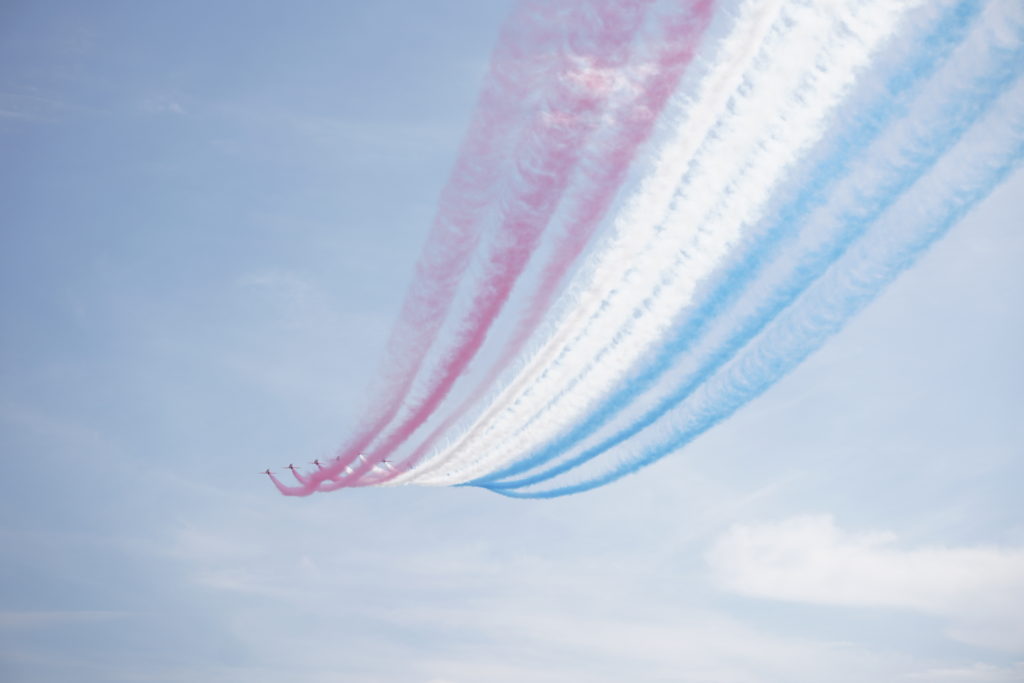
{"points": [[316, 462], [266, 472], [292, 468]]}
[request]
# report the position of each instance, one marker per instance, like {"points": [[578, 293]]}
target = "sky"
{"points": [[210, 215]]}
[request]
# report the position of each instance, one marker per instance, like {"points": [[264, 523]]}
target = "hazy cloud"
{"points": [[809, 559]]}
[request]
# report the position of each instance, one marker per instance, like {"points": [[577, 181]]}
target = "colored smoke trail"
{"points": [[782, 194]]}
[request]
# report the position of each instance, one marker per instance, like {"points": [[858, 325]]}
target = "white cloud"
{"points": [[808, 559]]}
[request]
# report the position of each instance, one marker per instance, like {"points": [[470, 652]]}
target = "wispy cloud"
{"points": [[164, 103], [809, 559], [448, 611], [290, 288]]}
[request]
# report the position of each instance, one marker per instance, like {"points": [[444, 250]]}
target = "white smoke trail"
{"points": [[633, 233]]}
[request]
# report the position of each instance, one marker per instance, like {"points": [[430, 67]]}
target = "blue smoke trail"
{"points": [[825, 313], [900, 86], [966, 107]]}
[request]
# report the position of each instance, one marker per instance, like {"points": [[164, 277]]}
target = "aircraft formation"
{"points": [[383, 464]]}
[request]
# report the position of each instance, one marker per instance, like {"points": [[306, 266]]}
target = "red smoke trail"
{"points": [[283, 488], [631, 127], [520, 60], [548, 156]]}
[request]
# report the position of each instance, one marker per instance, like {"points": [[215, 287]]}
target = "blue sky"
{"points": [[210, 214]]}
